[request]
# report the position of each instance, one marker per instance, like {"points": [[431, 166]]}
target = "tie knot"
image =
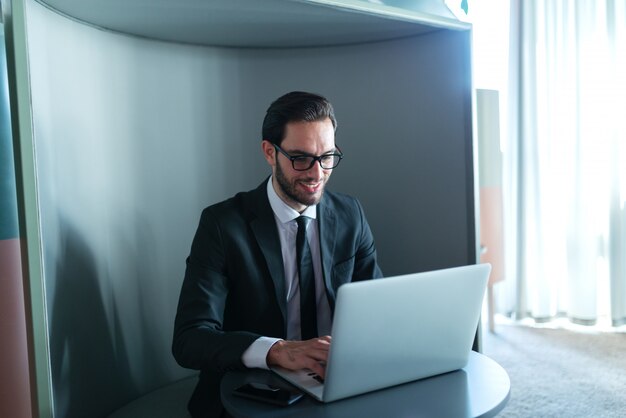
{"points": [[303, 221]]}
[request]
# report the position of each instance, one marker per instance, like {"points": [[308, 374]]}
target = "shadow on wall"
{"points": [[149, 307], [90, 370]]}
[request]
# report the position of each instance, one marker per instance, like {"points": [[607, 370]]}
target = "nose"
{"points": [[317, 171]]}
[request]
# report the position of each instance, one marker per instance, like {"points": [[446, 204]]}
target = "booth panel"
{"points": [[134, 137]]}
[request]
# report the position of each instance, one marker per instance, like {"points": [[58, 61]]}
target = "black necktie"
{"points": [[308, 313]]}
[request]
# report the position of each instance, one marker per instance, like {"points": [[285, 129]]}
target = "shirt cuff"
{"points": [[255, 356]]}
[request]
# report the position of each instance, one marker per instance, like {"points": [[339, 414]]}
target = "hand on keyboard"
{"points": [[294, 355]]}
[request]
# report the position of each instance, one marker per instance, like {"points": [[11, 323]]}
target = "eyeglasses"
{"points": [[305, 162]]}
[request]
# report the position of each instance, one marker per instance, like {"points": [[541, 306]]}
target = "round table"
{"points": [[480, 389]]}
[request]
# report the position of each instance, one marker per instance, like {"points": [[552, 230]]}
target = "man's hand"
{"points": [[295, 355]]}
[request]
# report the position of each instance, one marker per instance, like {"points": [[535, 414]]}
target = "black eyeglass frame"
{"points": [[337, 155]]}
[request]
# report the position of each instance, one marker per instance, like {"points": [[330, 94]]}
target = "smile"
{"points": [[311, 187]]}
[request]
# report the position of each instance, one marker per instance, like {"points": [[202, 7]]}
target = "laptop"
{"points": [[396, 330]]}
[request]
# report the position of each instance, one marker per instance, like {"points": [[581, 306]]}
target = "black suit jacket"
{"points": [[234, 286]]}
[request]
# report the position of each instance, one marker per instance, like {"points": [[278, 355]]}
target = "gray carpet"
{"points": [[561, 373]]}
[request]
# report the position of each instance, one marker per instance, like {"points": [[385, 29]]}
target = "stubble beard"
{"points": [[292, 193]]}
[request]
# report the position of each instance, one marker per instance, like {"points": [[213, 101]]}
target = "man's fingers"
{"points": [[315, 342], [317, 368], [301, 355], [316, 355], [296, 355]]}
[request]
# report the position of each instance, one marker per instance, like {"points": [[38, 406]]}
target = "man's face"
{"points": [[300, 189]]}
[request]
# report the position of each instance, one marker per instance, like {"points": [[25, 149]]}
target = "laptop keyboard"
{"points": [[316, 377]]}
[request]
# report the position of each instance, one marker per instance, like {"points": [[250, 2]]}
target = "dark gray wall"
{"points": [[135, 137], [404, 110]]}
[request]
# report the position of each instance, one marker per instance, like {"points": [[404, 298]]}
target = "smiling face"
{"points": [[300, 189]]}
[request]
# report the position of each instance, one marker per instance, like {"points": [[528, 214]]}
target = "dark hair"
{"points": [[297, 106]]}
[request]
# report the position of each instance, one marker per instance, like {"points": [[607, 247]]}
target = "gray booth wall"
{"points": [[134, 137]]}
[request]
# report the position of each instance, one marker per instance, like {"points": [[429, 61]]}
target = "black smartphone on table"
{"points": [[268, 393]]}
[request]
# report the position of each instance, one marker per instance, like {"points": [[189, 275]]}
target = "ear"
{"points": [[269, 152]]}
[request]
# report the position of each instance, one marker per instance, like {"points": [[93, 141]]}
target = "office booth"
{"points": [[130, 117]]}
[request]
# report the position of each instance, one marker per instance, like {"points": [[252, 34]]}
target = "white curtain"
{"points": [[565, 161]]}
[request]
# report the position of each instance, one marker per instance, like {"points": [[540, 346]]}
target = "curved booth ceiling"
{"points": [[267, 23]]}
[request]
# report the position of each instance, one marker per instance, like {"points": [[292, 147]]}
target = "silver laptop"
{"points": [[396, 330]]}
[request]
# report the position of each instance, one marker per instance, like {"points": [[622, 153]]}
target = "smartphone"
{"points": [[268, 393]]}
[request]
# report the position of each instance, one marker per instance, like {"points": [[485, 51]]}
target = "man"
{"points": [[256, 293]]}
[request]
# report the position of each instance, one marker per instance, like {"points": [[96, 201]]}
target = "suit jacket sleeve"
{"points": [[200, 341]]}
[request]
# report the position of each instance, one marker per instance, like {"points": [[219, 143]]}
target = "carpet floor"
{"points": [[559, 372]]}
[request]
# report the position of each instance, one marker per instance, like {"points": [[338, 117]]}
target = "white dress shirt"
{"points": [[285, 216]]}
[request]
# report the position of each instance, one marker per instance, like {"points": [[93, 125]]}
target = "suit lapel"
{"points": [[263, 226], [328, 234]]}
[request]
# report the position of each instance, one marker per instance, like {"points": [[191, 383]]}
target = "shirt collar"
{"points": [[283, 211]]}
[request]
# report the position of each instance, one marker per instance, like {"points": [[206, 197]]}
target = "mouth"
{"points": [[311, 186]]}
